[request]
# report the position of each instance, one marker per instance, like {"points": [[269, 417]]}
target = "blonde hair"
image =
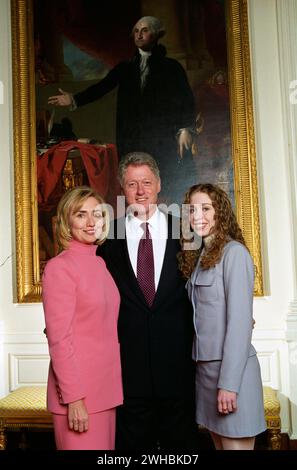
{"points": [[72, 202]]}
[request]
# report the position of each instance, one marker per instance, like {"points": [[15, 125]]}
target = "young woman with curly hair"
{"points": [[229, 398]]}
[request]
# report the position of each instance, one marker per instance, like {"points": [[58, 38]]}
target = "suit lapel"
{"points": [[128, 276], [169, 253]]}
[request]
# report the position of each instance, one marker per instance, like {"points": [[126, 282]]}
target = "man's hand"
{"points": [[227, 401], [78, 418], [184, 142], [64, 99]]}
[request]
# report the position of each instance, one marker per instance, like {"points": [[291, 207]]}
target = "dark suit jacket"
{"points": [[148, 119], [155, 342]]}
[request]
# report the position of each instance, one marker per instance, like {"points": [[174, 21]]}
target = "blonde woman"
{"points": [[81, 305], [229, 397]]}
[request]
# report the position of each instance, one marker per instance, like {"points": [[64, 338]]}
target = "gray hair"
{"points": [[155, 25], [137, 159]]}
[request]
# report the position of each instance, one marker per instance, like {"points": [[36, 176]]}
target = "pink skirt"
{"points": [[100, 435]]}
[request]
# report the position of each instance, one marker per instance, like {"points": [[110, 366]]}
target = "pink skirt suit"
{"points": [[81, 305]]}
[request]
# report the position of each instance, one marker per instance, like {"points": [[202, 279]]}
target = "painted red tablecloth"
{"points": [[101, 164]]}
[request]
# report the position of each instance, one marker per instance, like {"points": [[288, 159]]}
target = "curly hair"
{"points": [[226, 228]]}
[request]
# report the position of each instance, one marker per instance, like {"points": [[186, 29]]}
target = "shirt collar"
{"points": [[154, 221], [135, 223], [144, 53]]}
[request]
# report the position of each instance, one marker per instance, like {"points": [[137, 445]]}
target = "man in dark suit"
{"points": [[155, 104], [155, 333]]}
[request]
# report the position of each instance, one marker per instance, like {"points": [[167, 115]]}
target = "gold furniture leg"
{"points": [[272, 417]]}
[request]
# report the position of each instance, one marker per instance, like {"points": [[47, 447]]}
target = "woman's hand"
{"points": [[78, 418], [227, 401]]}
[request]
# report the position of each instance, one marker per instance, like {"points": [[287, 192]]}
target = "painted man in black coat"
{"points": [[155, 104]]}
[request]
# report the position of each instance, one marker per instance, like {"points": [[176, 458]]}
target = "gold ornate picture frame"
{"points": [[24, 115]]}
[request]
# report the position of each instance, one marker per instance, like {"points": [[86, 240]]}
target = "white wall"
{"points": [[23, 350], [287, 20], [271, 43]]}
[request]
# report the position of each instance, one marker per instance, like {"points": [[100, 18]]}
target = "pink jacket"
{"points": [[81, 306]]}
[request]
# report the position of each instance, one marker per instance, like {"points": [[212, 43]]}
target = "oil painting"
{"points": [[75, 45]]}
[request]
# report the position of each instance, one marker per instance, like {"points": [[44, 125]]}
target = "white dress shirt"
{"points": [[159, 231], [144, 68]]}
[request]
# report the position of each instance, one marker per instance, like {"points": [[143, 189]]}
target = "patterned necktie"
{"points": [[145, 265]]}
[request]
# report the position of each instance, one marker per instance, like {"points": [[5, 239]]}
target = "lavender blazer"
{"points": [[222, 298]]}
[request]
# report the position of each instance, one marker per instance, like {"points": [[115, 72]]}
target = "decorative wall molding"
{"points": [[24, 360], [269, 362], [28, 357], [273, 355], [291, 322], [27, 369]]}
